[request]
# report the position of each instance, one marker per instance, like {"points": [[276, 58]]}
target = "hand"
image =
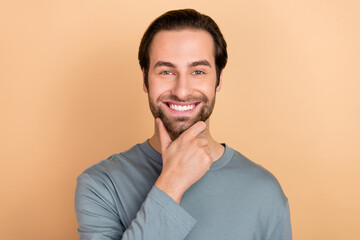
{"points": [[185, 160]]}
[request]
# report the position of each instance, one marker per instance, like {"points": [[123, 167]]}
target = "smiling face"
{"points": [[182, 78]]}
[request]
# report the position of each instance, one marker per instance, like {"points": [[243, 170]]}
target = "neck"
{"points": [[216, 149]]}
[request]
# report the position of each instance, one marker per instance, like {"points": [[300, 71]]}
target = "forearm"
{"points": [[159, 217], [173, 189]]}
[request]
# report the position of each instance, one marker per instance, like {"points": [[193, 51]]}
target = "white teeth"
{"points": [[181, 108]]}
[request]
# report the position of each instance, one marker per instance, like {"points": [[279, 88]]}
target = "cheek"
{"points": [[208, 90], [154, 92], [157, 88]]}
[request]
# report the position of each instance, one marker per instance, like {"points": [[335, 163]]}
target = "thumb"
{"points": [[165, 139]]}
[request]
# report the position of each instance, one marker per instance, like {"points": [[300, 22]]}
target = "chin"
{"points": [[178, 126]]}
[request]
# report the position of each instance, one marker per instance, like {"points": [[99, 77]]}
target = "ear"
{"points": [[144, 86], [218, 88]]}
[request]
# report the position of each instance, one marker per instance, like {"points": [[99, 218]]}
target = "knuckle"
{"points": [[201, 142], [195, 141], [204, 142], [206, 154]]}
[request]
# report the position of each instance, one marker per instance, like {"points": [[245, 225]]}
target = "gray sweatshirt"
{"points": [[235, 199]]}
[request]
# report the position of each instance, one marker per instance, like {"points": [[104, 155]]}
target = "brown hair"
{"points": [[181, 19]]}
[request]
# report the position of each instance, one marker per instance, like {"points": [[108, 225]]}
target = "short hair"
{"points": [[178, 20]]}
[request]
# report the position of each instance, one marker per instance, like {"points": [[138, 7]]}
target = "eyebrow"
{"points": [[202, 62], [162, 63], [193, 64]]}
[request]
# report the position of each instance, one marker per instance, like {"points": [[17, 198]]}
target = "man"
{"points": [[181, 183]]}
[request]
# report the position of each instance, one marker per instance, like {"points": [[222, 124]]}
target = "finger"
{"points": [[207, 150], [165, 139], [194, 130], [201, 141]]}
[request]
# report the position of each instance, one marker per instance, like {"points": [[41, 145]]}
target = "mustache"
{"points": [[174, 98]]}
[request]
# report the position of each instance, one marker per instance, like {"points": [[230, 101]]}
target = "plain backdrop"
{"points": [[71, 95]]}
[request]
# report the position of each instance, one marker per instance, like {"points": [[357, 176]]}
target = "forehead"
{"points": [[181, 46]]}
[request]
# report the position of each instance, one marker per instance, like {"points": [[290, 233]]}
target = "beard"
{"points": [[177, 125]]}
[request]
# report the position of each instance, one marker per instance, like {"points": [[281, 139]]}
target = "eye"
{"points": [[198, 72], [166, 72]]}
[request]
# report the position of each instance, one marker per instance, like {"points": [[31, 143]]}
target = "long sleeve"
{"points": [[159, 217], [236, 199], [283, 230]]}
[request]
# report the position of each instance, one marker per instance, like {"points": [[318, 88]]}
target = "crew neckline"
{"points": [[222, 161]]}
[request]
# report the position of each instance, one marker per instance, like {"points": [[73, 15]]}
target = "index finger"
{"points": [[194, 130], [165, 139]]}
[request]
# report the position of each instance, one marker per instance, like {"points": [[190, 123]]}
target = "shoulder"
{"points": [[258, 179], [136, 166], [107, 169]]}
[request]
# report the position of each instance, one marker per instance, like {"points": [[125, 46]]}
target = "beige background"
{"points": [[71, 95]]}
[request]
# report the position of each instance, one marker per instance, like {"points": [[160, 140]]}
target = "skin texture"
{"points": [[182, 72]]}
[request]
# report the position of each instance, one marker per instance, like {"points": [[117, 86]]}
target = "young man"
{"points": [[181, 183]]}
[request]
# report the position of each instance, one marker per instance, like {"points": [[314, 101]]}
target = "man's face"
{"points": [[182, 78]]}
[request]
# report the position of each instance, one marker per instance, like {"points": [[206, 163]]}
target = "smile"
{"points": [[181, 107]]}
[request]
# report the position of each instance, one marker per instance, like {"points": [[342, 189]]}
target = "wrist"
{"points": [[173, 190]]}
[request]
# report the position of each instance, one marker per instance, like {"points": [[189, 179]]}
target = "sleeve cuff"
{"points": [[172, 208]]}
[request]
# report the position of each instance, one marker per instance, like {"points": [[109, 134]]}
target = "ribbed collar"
{"points": [[225, 158]]}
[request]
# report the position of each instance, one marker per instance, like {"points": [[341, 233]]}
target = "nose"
{"points": [[182, 87]]}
